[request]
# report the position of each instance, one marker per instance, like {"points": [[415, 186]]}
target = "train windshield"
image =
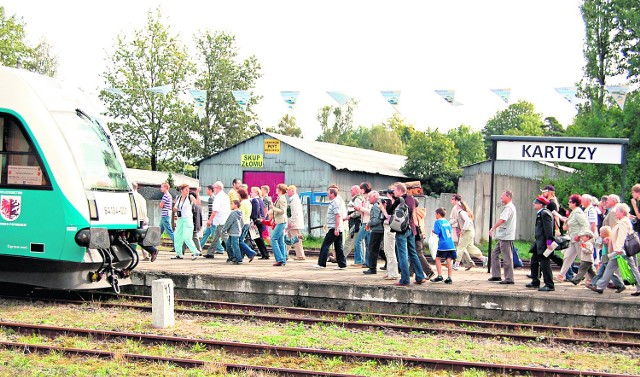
{"points": [[94, 156]]}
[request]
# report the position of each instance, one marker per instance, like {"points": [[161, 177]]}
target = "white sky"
{"points": [[356, 46]]}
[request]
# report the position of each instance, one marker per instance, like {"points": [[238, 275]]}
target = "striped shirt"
{"points": [[166, 204]]}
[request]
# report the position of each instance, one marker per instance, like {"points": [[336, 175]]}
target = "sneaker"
{"points": [[448, 281], [195, 256], [318, 266], [176, 257], [439, 278], [341, 268], [456, 266], [620, 289], [429, 275]]}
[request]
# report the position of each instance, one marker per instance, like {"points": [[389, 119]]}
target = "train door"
{"points": [[30, 212], [260, 178]]}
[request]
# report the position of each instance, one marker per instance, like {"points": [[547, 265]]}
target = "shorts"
{"points": [[446, 254]]}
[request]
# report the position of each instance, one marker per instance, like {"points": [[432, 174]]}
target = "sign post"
{"points": [[556, 149]]}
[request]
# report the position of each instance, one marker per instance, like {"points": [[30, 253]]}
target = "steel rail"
{"points": [[372, 325], [181, 362], [251, 348], [355, 316]]}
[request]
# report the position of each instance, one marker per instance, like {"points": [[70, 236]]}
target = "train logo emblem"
{"points": [[11, 206]]}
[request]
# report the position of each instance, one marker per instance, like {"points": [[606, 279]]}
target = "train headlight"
{"points": [[93, 209], [93, 238]]}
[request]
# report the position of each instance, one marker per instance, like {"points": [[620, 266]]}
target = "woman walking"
{"points": [[279, 215], [184, 226], [576, 224], [257, 215], [467, 233]]}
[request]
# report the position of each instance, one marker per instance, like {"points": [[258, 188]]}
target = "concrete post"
{"points": [[162, 303]]}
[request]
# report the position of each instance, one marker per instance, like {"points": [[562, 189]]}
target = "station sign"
{"points": [[251, 161], [559, 152], [271, 146]]}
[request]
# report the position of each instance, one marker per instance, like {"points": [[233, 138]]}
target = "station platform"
{"points": [[470, 295]]}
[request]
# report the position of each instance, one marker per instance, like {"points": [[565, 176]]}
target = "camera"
{"points": [[179, 213]]}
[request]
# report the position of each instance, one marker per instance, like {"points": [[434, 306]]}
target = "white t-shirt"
{"points": [[222, 207], [507, 231], [184, 206]]}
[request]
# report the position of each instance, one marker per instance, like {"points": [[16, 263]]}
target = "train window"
{"points": [[93, 152], [19, 160]]}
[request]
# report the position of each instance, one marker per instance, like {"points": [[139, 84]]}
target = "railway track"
{"points": [[365, 321], [253, 349]]}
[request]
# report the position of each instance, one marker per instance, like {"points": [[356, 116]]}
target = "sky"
{"points": [[356, 46]]}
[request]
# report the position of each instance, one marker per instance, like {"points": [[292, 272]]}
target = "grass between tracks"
{"points": [[331, 337]]}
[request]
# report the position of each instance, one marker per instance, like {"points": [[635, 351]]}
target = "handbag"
{"points": [[625, 270], [632, 244], [563, 241], [433, 244]]}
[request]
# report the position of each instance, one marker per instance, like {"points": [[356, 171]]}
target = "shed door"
{"points": [[260, 178]]}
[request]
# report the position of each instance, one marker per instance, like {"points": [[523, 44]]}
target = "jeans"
{"points": [[233, 249], [615, 278], [277, 243], [246, 250], [358, 254], [406, 248], [210, 231], [165, 226]]}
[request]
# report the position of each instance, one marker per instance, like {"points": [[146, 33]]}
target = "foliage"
{"points": [[158, 127], [15, 48], [627, 16], [336, 123], [517, 119], [468, 143], [433, 158], [287, 126], [219, 73], [404, 131], [552, 127]]}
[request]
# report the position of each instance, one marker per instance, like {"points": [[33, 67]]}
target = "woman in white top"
{"points": [[184, 225], [576, 224]]}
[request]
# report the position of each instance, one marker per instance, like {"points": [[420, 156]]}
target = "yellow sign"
{"points": [[251, 161], [271, 146]]}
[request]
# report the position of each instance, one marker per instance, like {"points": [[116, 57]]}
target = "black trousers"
{"points": [[373, 249], [331, 238], [541, 264]]}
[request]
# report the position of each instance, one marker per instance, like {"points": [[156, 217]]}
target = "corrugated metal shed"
{"points": [[522, 169], [348, 158]]}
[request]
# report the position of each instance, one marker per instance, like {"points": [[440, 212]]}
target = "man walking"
{"points": [[544, 238], [406, 241], [166, 205], [220, 211], [334, 233], [505, 234]]}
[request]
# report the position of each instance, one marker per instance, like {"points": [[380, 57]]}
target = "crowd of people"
{"points": [[389, 226]]}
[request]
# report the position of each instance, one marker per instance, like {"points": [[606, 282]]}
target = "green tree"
{"points": [[519, 118], [378, 137], [224, 122], [552, 127], [156, 126], [433, 158], [469, 144], [404, 131], [627, 16], [336, 123], [287, 126], [15, 48]]}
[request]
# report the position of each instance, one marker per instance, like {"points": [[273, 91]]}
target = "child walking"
{"points": [[446, 247]]}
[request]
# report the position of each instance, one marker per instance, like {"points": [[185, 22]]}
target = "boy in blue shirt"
{"points": [[446, 247]]}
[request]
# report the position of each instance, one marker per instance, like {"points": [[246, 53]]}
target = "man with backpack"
{"points": [[405, 236]]}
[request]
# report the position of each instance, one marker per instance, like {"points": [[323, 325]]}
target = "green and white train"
{"points": [[67, 215]]}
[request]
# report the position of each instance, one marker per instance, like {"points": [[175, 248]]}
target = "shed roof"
{"points": [[342, 157], [155, 178]]}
